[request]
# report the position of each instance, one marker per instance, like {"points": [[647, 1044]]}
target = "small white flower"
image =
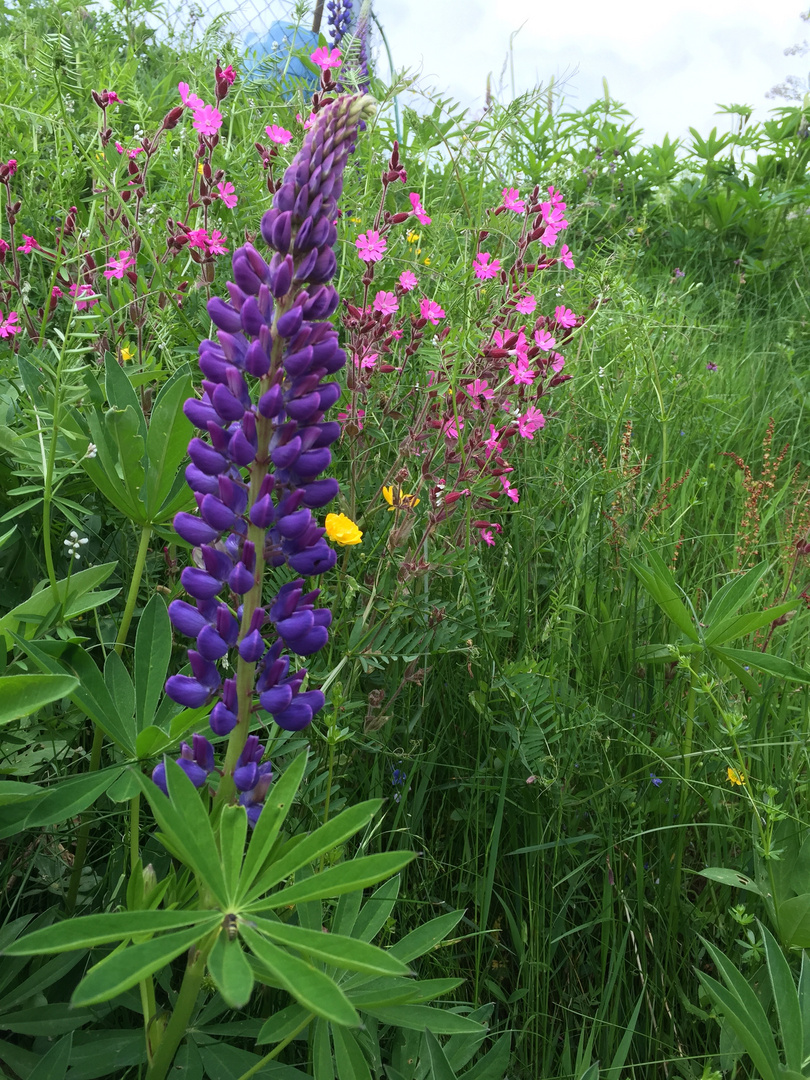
{"points": [[92, 450], [74, 544]]}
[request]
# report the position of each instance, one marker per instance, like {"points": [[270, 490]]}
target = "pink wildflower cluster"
{"points": [[9, 325]]}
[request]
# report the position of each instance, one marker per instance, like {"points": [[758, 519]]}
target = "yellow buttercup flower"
{"points": [[400, 499], [735, 777], [356, 220], [342, 530], [126, 353], [426, 262], [200, 168], [412, 237]]}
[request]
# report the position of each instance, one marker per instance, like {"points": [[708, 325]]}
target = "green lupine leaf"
{"points": [[232, 833], [736, 626], [309, 986], [230, 970], [786, 999], [426, 937], [323, 839], [733, 595], [660, 584], [419, 1017], [439, 1065], [356, 874], [276, 807], [127, 967], [771, 665], [88, 931], [21, 695], [153, 651], [349, 1059], [166, 443], [333, 949]]}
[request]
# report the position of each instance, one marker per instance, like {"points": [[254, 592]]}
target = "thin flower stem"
{"points": [[274, 1053], [98, 734], [687, 772]]}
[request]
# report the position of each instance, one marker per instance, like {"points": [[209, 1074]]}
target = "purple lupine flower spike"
{"points": [[256, 464]]}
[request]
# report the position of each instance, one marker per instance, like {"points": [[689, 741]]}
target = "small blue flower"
{"points": [[656, 780]]}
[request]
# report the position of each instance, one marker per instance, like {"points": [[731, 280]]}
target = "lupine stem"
{"points": [[278, 1048], [183, 1010]]}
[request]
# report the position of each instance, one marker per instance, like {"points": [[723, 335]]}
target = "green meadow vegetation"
{"points": [[538, 808]]}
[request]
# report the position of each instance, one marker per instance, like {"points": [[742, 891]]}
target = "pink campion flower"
{"points": [[510, 491], [191, 101], [521, 373], [229, 75], [521, 349], [431, 311], [483, 268], [396, 333], [418, 209], [326, 59], [370, 246], [553, 215], [216, 243], [566, 257], [452, 429], [367, 361], [11, 165], [113, 98], [512, 200], [56, 292], [564, 316], [310, 120], [526, 305], [487, 537], [554, 196], [278, 134], [227, 192], [79, 292], [407, 281], [386, 303], [119, 147], [549, 237], [531, 421], [479, 389], [28, 245], [134, 153], [8, 326], [358, 419], [492, 444], [207, 120], [4, 247], [557, 362], [197, 238], [544, 340], [116, 268]]}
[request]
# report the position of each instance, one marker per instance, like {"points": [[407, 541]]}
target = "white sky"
{"points": [[671, 62]]}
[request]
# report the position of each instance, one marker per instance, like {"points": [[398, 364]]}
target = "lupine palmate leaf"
{"points": [[349, 1059], [323, 839], [786, 999], [91, 930], [309, 986], [187, 828], [356, 874], [419, 1017], [127, 967], [153, 650], [660, 584], [736, 626], [334, 949], [276, 807], [21, 695], [232, 832], [733, 595], [230, 970], [439, 1065]]}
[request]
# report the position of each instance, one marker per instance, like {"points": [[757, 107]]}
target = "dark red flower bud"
{"points": [[172, 117]]}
